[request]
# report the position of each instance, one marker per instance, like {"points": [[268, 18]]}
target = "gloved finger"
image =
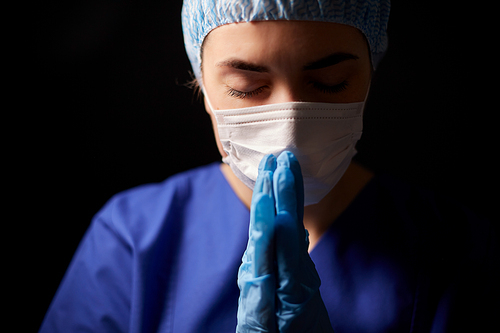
{"points": [[290, 235], [287, 251], [263, 183], [289, 192], [289, 160], [284, 186], [287, 231], [262, 235], [299, 305], [262, 218], [267, 163], [256, 280]]}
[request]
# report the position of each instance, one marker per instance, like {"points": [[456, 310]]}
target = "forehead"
{"points": [[283, 40]]}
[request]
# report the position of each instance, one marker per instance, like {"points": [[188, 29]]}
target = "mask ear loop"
{"points": [[206, 96]]}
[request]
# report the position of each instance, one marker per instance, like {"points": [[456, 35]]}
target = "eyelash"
{"points": [[330, 89], [319, 86], [240, 94]]}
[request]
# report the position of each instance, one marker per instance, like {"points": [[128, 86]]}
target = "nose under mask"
{"points": [[321, 135]]}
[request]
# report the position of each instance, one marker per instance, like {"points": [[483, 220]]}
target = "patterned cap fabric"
{"points": [[199, 17]]}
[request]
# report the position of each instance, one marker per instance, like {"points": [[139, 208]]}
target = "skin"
{"points": [[257, 63]]}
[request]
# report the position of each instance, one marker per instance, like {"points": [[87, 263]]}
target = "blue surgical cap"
{"points": [[199, 17]]}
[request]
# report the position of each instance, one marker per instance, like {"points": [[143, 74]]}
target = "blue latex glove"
{"points": [[279, 285]]}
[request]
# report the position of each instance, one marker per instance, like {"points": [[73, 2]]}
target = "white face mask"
{"points": [[321, 135]]}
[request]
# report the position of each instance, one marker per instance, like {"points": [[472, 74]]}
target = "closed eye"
{"points": [[327, 89], [244, 94]]}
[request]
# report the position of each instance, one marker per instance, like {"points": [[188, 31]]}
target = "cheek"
{"points": [[358, 86], [365, 83]]}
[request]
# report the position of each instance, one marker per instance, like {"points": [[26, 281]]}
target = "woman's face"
{"points": [[256, 63]]}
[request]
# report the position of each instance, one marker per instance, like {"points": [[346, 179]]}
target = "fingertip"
{"points": [[288, 159], [268, 162], [264, 180], [284, 159]]}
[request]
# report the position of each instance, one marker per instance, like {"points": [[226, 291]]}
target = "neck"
{"points": [[319, 217]]}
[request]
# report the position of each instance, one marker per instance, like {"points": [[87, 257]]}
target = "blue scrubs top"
{"points": [[164, 258]]}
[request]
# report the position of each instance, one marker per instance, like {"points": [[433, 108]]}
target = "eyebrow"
{"points": [[330, 60], [327, 61], [243, 65]]}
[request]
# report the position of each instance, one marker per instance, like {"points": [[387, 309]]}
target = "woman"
{"points": [[165, 257]]}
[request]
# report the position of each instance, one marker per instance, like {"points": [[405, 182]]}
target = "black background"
{"points": [[104, 107]]}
